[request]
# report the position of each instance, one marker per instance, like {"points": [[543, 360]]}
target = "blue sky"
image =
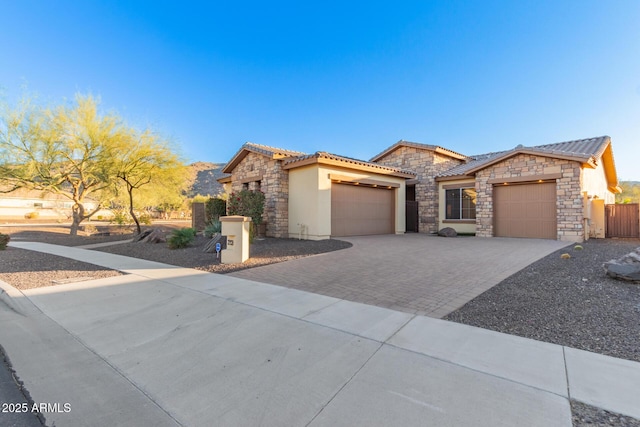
{"points": [[350, 78]]}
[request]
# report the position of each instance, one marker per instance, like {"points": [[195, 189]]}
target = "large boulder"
{"points": [[447, 232], [626, 267], [151, 236]]}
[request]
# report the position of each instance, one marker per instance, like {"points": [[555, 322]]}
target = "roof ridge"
{"points": [[270, 148], [327, 154]]}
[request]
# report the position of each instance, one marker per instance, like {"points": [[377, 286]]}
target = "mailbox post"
{"points": [[236, 228]]}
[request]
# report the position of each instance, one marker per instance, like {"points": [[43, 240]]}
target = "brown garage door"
{"points": [[526, 210], [358, 210]]}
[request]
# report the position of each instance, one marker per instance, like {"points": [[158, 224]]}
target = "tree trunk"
{"points": [[78, 216], [131, 211]]}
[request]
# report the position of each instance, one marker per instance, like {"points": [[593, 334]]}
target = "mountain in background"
{"points": [[203, 179]]}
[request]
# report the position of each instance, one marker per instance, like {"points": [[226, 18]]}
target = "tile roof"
{"points": [[351, 161], [420, 146], [270, 151], [585, 150], [265, 150]]}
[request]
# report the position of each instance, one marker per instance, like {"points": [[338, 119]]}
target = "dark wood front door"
{"points": [[412, 216]]}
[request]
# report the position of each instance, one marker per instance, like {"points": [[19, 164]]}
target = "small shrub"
{"points": [[213, 228], [181, 238], [565, 256], [4, 241], [145, 219], [121, 217], [578, 248], [99, 217], [90, 229], [32, 215]]}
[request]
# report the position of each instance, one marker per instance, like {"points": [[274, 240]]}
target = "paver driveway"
{"points": [[414, 273]]}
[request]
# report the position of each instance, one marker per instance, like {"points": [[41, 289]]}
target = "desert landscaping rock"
{"points": [[447, 232], [570, 302], [584, 415], [626, 267], [27, 269]]}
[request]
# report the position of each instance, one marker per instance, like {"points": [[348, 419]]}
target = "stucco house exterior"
{"points": [[321, 195], [552, 191]]}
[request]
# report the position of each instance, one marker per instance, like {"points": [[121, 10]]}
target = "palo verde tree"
{"points": [[145, 164], [68, 150], [79, 153]]}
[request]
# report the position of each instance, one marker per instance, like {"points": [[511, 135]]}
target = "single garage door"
{"points": [[525, 210], [358, 210]]}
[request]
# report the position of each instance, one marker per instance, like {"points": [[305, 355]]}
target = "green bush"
{"points": [[121, 217], [145, 219], [213, 228], [214, 209], [4, 240], [181, 238], [248, 203]]}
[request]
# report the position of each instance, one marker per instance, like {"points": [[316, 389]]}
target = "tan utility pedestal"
{"points": [[236, 228]]}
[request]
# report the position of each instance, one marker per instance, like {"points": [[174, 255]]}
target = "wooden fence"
{"points": [[622, 220]]}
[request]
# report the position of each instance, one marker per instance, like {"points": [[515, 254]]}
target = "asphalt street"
{"points": [[16, 408]]}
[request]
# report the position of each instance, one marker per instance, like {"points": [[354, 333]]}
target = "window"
{"points": [[245, 186], [461, 203]]}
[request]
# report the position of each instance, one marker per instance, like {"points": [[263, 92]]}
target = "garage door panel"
{"points": [[527, 210], [359, 210]]}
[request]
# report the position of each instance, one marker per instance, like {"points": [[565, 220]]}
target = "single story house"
{"points": [[321, 195], [552, 191]]}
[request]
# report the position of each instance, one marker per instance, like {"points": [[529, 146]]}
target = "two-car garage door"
{"points": [[526, 210], [358, 210]]}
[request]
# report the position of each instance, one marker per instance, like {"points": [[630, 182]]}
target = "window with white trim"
{"points": [[460, 203]]}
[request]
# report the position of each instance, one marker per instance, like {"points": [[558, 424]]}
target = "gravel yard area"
{"points": [[262, 252], [27, 269], [570, 302], [563, 301]]}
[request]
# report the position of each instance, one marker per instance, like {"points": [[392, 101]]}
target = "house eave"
{"points": [[354, 165], [584, 160], [434, 148]]}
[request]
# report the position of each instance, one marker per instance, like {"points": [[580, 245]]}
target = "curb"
{"points": [[8, 296]]}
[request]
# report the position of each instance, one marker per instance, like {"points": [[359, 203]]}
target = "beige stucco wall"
{"points": [[569, 198], [594, 182], [310, 199], [426, 164], [442, 221], [597, 221], [595, 192]]}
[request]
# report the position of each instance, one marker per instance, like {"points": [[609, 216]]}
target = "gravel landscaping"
{"points": [[569, 302], [262, 252], [27, 269]]}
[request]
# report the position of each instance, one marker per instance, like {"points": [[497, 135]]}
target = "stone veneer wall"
{"points": [[426, 164], [274, 182], [569, 200]]}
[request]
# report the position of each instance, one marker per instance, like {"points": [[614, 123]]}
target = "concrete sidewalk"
{"points": [[173, 346]]}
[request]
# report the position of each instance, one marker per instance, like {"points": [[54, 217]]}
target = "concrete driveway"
{"points": [[170, 346], [414, 273]]}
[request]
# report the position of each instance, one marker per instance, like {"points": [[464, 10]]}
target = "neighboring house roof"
{"points": [[250, 147], [586, 151], [325, 158], [435, 148]]}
